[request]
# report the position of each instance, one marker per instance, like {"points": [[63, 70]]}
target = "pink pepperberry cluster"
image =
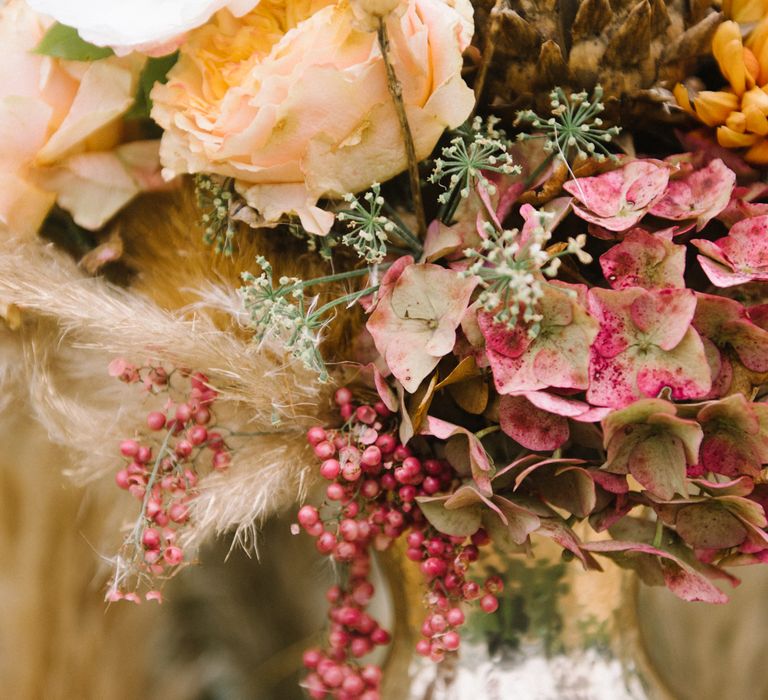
{"points": [[371, 501], [444, 562], [161, 471], [352, 634]]}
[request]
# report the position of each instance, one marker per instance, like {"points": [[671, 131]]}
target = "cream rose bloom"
{"points": [[292, 99], [59, 130]]}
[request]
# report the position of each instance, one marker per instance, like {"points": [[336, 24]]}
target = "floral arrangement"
{"points": [[560, 330]]}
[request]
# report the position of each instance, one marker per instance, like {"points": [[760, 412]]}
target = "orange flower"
{"points": [[739, 112], [745, 11]]}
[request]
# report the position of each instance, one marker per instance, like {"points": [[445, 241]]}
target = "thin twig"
{"points": [[396, 91], [490, 44]]}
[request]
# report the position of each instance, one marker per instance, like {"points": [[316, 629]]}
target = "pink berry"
{"points": [[489, 603], [335, 492], [156, 420], [173, 556], [346, 411], [423, 647], [413, 554], [311, 658], [197, 435], [330, 469], [470, 590], [363, 592], [325, 543], [360, 646], [354, 685], [342, 396], [381, 408], [386, 443], [122, 479], [178, 512], [150, 538], [348, 529], [455, 617], [401, 452], [315, 530], [371, 456], [438, 623], [308, 515], [494, 584], [324, 450], [333, 677], [369, 488], [183, 412], [480, 538], [315, 435], [144, 455], [129, 448], [371, 675], [221, 460], [380, 636], [344, 551], [366, 414], [184, 448], [351, 471], [451, 641], [202, 416]]}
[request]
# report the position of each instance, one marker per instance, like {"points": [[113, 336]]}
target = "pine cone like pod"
{"points": [[635, 49]]}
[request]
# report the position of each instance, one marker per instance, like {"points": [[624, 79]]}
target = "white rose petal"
{"points": [[144, 25]]}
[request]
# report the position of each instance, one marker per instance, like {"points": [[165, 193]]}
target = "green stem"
{"points": [[339, 276], [150, 483], [544, 165], [347, 298], [480, 434], [659, 534], [402, 229]]}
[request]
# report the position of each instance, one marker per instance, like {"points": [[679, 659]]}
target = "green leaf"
{"points": [[461, 522], [61, 41], [155, 71]]}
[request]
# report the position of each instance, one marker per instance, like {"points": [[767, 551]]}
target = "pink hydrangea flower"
{"points": [[556, 357], [530, 426], [739, 257], [415, 320], [646, 343], [735, 436], [650, 441], [617, 200], [700, 195], [725, 324], [645, 260]]}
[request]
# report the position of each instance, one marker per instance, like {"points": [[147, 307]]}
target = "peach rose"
{"points": [[59, 124], [292, 100]]}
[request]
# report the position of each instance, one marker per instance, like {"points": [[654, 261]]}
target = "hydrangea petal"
{"points": [[702, 195]]}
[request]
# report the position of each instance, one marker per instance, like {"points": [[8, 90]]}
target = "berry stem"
{"points": [[150, 483]]}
